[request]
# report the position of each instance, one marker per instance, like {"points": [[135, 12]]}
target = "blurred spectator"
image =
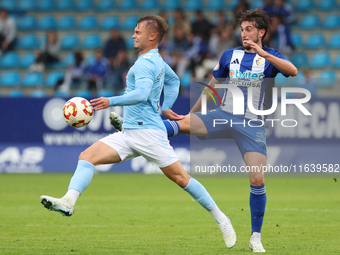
{"points": [[180, 42], [180, 21], [308, 82], [268, 7], [280, 36], [221, 22], [166, 47], [7, 31], [119, 69], [219, 43], [49, 52], [285, 10], [201, 27], [113, 45], [98, 72], [241, 7], [75, 73]]}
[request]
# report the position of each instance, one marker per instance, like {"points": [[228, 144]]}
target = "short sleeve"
{"points": [[278, 54], [144, 70], [221, 70]]}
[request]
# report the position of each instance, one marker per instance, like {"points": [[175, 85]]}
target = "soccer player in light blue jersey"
{"points": [[144, 133], [254, 66]]}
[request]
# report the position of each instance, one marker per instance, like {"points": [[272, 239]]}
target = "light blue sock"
{"points": [[200, 194], [172, 127], [82, 176], [257, 202]]}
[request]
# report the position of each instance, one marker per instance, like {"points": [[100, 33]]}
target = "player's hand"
{"points": [[257, 48], [100, 103], [169, 114]]}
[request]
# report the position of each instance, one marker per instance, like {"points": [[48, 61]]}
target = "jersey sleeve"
{"points": [[221, 70], [278, 54], [171, 87], [144, 70]]}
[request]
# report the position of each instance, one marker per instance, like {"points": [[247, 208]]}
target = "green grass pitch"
{"points": [[148, 214]]}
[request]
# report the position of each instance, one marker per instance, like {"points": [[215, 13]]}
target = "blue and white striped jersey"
{"points": [[248, 70]]}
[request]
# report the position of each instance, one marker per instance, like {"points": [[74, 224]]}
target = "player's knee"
{"points": [[85, 156], [257, 181]]}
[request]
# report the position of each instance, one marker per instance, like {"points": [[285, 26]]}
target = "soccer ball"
{"points": [[77, 112]]}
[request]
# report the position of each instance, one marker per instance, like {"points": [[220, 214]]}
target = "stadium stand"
{"points": [[86, 24]]}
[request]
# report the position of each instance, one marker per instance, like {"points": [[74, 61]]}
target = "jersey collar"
{"points": [[150, 51]]}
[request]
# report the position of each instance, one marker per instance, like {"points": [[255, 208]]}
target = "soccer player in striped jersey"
{"points": [[144, 133], [252, 65]]}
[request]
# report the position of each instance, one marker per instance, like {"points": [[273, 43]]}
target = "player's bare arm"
{"points": [[281, 64]]}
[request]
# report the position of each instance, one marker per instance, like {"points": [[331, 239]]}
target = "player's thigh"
{"points": [[100, 153], [192, 124], [176, 173], [255, 162]]}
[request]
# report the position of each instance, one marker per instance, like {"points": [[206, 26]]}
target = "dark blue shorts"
{"points": [[248, 136]]}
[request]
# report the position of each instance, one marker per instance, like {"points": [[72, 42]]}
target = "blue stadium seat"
{"points": [[231, 5], [26, 5], [214, 5], [129, 43], [65, 5], [84, 5], [32, 79], [303, 5], [127, 5], [9, 60], [9, 5], [15, 93], [327, 79], [28, 41], [309, 22], [83, 93], [256, 4], [326, 5], [10, 79], [185, 79], [27, 23], [149, 4], [315, 41], [65, 94], [45, 5], [297, 40], [171, 5], [69, 41], [110, 22], [105, 93], [38, 93], [92, 41], [52, 78], [88, 22], [91, 59], [47, 22], [69, 59], [336, 63], [192, 5], [332, 21], [105, 5], [66, 22], [320, 59], [334, 41], [300, 60], [130, 22], [27, 60], [282, 81]]}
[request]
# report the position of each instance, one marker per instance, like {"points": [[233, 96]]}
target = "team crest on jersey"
{"points": [[217, 67], [259, 61]]}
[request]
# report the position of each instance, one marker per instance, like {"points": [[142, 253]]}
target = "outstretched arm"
{"points": [[139, 95], [197, 106]]}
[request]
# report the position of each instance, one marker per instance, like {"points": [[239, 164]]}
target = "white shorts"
{"points": [[152, 144]]}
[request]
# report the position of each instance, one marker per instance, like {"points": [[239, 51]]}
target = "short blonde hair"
{"points": [[155, 23]]}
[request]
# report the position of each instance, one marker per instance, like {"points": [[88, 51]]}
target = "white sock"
{"points": [[71, 196], [256, 235], [218, 215]]}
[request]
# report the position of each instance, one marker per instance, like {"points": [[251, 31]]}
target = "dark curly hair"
{"points": [[257, 17]]}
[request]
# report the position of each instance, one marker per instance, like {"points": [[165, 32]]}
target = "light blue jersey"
{"points": [[149, 69]]}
